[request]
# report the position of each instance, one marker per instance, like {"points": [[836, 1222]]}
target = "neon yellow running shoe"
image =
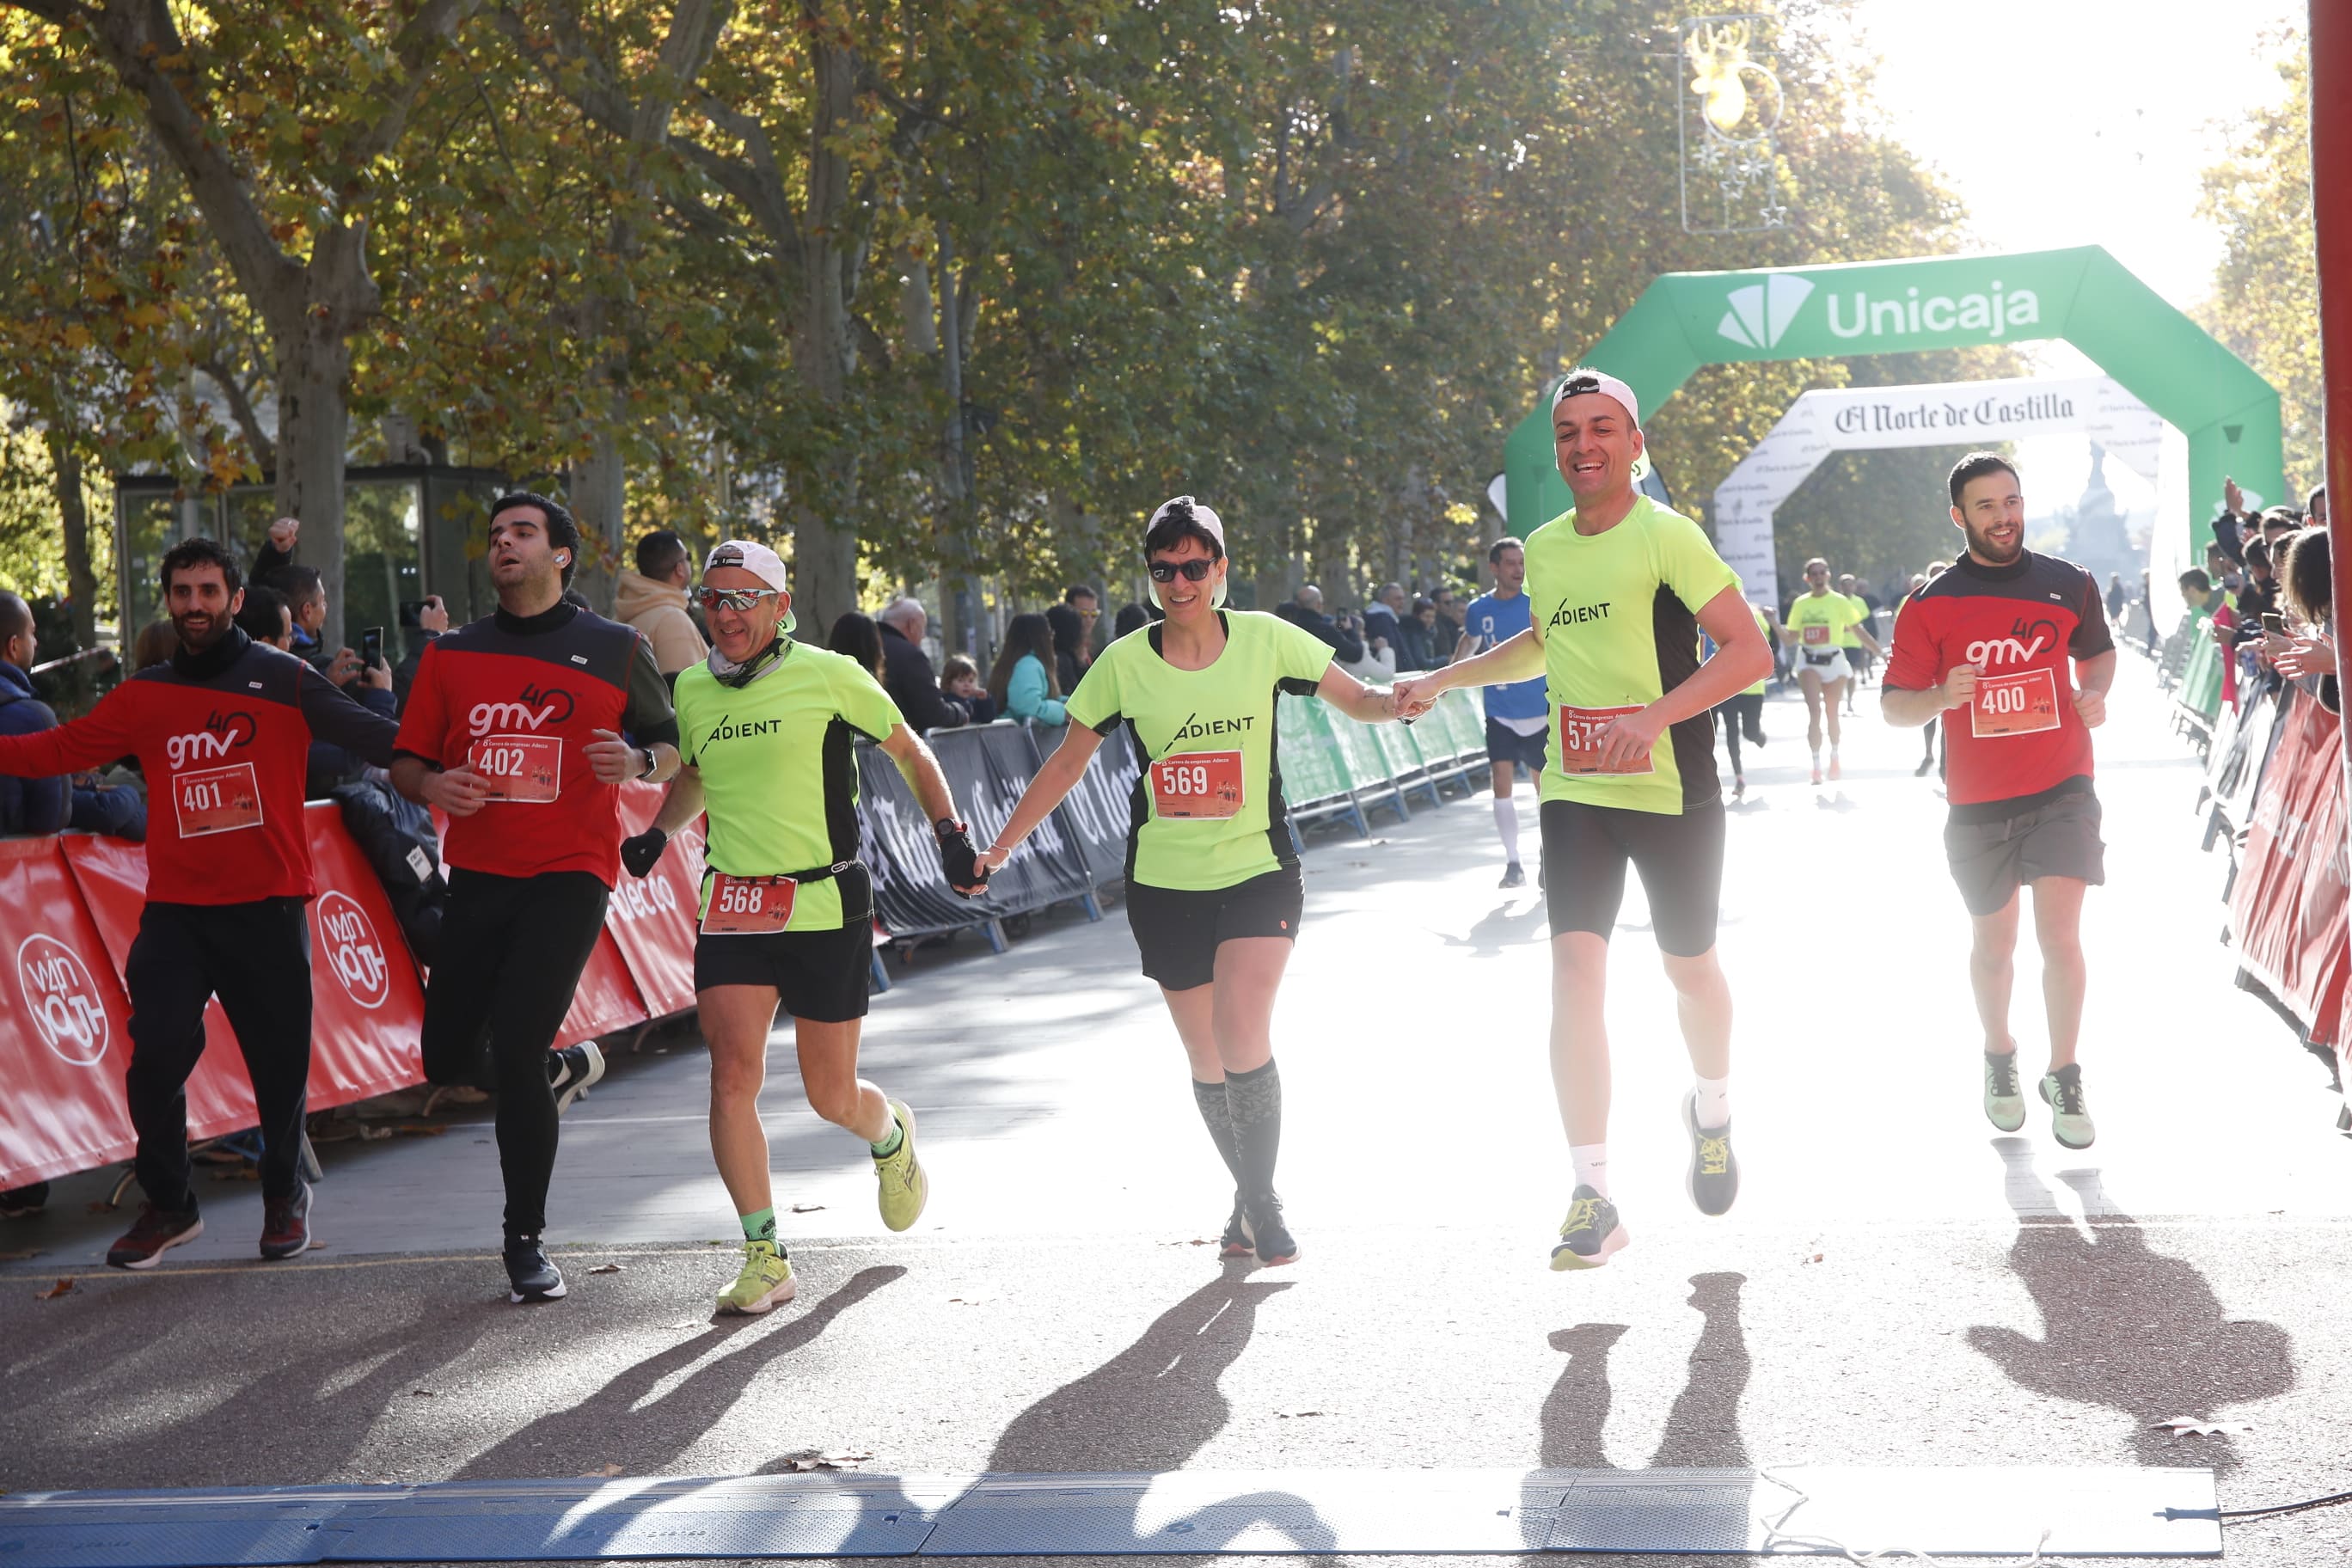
{"points": [[904, 1187], [766, 1281], [1589, 1234]]}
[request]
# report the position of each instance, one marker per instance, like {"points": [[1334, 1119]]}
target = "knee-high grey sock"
{"points": [[1507, 825], [1253, 1098], [1210, 1098]]}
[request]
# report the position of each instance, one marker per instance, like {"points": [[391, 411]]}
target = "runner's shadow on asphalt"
{"points": [[1155, 1406], [2125, 1326], [617, 1425], [1504, 927]]}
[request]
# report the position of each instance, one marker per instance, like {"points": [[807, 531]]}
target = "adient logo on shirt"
{"points": [[743, 729], [534, 710], [2025, 640], [1573, 614], [222, 733], [1195, 727]]}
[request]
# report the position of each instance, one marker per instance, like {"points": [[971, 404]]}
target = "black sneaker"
{"points": [[571, 1070], [1514, 876], [1589, 1234], [1237, 1241], [18, 1202], [152, 1234], [1272, 1238], [1921, 771], [286, 1224], [1712, 1179], [533, 1277]]}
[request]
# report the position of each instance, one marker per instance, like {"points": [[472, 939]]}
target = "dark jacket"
{"points": [[1069, 646], [914, 685], [1349, 647], [28, 806]]}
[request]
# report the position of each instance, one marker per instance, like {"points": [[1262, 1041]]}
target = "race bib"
{"points": [[522, 770], [747, 906], [1195, 784], [218, 800], [1817, 637], [1580, 741], [2014, 704]]}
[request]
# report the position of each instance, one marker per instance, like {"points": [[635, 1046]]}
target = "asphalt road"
{"points": [[1899, 1284]]}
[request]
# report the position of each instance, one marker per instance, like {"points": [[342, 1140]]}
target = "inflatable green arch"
{"points": [[1685, 320]]}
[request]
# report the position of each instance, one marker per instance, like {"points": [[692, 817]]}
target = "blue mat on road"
{"points": [[2092, 1510]]}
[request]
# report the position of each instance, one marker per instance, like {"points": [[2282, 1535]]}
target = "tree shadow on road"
{"points": [[610, 1428], [2127, 1326], [1501, 927]]}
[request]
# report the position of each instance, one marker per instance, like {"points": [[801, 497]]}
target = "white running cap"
{"points": [[1209, 522], [751, 556], [1584, 379]]}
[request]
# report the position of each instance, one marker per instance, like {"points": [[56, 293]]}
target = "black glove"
{"points": [[957, 858], [644, 852]]}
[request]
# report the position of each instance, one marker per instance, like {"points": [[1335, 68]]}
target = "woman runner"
{"points": [[1213, 893]]}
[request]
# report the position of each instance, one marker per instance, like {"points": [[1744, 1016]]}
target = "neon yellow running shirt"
{"points": [[1208, 812], [1847, 638], [779, 770], [1617, 612], [1832, 615]]}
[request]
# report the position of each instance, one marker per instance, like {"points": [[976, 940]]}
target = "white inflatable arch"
{"points": [[1948, 413]]}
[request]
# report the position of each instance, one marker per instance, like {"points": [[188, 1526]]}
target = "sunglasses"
{"points": [[736, 599], [1194, 569]]}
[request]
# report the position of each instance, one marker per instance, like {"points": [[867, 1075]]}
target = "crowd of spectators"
{"points": [[2263, 596]]}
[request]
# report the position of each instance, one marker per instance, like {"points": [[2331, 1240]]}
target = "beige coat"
{"points": [[658, 611]]}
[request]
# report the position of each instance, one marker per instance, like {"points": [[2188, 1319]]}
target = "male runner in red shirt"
{"points": [[1992, 640], [513, 728], [222, 732]]}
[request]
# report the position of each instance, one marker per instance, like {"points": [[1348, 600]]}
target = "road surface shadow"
{"points": [[2128, 1327], [615, 1431], [1505, 926], [1156, 1405]]}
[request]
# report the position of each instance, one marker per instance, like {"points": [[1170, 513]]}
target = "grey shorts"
{"points": [[2057, 838]]}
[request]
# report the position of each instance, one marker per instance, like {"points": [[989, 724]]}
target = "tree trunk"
{"points": [[81, 582], [825, 350], [314, 372], [599, 497]]}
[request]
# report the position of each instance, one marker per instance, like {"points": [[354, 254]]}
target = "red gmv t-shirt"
{"points": [[2019, 744], [224, 738], [518, 698]]}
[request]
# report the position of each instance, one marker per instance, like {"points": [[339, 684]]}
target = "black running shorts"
{"points": [[2059, 838], [1178, 929], [1586, 850], [1504, 745], [819, 975]]}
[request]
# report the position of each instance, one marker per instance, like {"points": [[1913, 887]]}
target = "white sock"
{"points": [[1714, 1108], [1506, 822], [1591, 1162]]}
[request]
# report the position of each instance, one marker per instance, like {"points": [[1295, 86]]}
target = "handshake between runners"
{"points": [[958, 860]]}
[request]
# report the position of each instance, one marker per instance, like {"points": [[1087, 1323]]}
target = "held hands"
{"points": [[990, 858], [459, 791], [613, 760], [964, 871], [1627, 738], [1960, 686], [1410, 699]]}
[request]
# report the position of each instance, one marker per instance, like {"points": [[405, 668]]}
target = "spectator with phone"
{"points": [[429, 618], [2307, 589]]}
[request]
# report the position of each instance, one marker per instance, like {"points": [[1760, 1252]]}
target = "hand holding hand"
{"points": [[1960, 686], [958, 860], [1412, 697], [990, 858], [435, 616], [459, 791], [611, 759]]}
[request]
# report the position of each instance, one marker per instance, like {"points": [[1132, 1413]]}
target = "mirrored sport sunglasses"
{"points": [[736, 599], [1194, 569]]}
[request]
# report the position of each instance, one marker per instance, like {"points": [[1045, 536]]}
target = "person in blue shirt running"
{"points": [[1518, 717]]}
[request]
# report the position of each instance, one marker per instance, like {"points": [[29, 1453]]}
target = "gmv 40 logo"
{"points": [[535, 709], [222, 733]]}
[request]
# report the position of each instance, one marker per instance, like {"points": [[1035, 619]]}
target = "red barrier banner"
{"points": [[64, 1035], [2289, 907], [607, 999], [653, 920], [367, 1005], [113, 878]]}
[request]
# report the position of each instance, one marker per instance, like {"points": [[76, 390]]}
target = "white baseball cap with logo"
{"points": [[1584, 379], [1209, 522], [750, 556]]}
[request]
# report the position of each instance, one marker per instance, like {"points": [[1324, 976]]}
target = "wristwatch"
{"points": [[945, 825], [653, 763]]}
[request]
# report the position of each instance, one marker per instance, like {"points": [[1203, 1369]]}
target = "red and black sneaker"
{"points": [[286, 1224], [1237, 1241], [154, 1232]]}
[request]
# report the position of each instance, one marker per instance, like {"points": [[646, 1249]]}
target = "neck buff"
{"points": [[728, 673]]}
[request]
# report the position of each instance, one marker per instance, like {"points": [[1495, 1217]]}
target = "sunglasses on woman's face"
{"points": [[736, 599], [1194, 569]]}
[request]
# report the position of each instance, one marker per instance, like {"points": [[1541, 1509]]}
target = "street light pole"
{"points": [[2331, 169]]}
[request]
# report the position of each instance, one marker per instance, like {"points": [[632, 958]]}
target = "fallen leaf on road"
{"points": [[839, 1459], [100, 1205], [418, 1130], [806, 1208], [973, 1297], [19, 1256], [2183, 1426], [64, 1287], [373, 1134], [599, 1472], [420, 1393], [1816, 1257], [316, 1245], [1298, 1414], [606, 1269]]}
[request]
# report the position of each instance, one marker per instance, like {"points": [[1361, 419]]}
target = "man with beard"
{"points": [[223, 731], [1995, 636], [514, 728]]}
